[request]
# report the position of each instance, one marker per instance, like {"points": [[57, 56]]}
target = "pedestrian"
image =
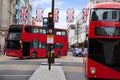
{"points": [[80, 52], [85, 53], [4, 51], [0, 51]]}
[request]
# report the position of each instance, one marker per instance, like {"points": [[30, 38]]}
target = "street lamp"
{"points": [[72, 26], [77, 36]]}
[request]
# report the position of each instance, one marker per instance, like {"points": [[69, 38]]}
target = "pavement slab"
{"points": [[43, 73]]}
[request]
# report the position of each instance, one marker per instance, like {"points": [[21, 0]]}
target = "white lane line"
{"points": [[15, 75]]}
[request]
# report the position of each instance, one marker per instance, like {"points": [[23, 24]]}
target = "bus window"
{"points": [[105, 14], [42, 31], [94, 16], [28, 29], [114, 15], [35, 44], [110, 15], [15, 28], [60, 33], [35, 30], [58, 45], [107, 31], [42, 45], [100, 31], [13, 45], [63, 33], [14, 36]]}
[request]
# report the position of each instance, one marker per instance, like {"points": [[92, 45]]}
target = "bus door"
{"points": [[26, 49]]}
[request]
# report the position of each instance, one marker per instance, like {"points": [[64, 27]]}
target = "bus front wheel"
{"points": [[34, 55]]}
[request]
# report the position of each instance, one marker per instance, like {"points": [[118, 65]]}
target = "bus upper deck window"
{"points": [[35, 30], [110, 15], [44, 31], [58, 33], [63, 33], [105, 15], [40, 30], [94, 16], [114, 15], [28, 29]]}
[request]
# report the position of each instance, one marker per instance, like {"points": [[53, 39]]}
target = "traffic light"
{"points": [[50, 21], [50, 24]]}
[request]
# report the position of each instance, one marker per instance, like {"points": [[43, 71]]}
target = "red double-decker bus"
{"points": [[31, 41], [103, 60]]}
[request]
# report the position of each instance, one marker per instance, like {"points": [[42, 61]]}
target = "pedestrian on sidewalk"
{"points": [[4, 51], [0, 51], [85, 53]]}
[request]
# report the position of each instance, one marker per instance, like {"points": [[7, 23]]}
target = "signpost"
{"points": [[50, 39]]}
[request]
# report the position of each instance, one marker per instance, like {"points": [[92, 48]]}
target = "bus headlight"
{"points": [[92, 70]]}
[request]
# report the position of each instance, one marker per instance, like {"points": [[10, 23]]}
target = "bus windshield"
{"points": [[13, 45], [14, 37], [107, 31], [15, 28], [105, 15]]}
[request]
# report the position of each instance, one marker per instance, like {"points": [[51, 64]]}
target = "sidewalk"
{"points": [[42, 73]]}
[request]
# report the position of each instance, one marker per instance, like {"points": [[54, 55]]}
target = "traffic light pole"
{"points": [[53, 9], [50, 54], [52, 59]]}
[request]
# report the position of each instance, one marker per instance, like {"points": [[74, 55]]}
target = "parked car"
{"points": [[77, 52]]}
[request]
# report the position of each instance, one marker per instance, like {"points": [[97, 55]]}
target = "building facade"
{"points": [[8, 13]]}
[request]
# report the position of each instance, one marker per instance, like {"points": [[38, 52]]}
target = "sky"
{"points": [[62, 5]]}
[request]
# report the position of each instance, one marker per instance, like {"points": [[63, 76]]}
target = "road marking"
{"points": [[15, 75], [18, 67]]}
